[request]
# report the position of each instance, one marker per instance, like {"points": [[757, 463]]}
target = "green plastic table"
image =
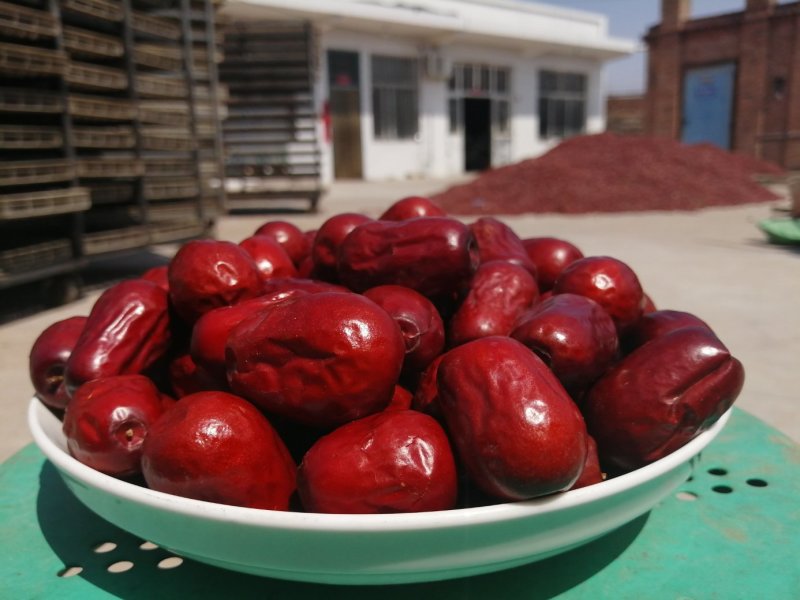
{"points": [[731, 531]]}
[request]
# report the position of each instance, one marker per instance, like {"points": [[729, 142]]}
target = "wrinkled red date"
{"points": [[210, 332], [206, 274], [513, 426], [48, 360], [397, 461], [609, 282], [657, 323], [411, 208], [126, 332], [320, 359], [432, 255], [550, 256], [497, 241], [108, 420], [661, 396], [418, 319], [289, 236], [574, 336], [330, 235], [498, 294], [217, 447], [269, 256]]}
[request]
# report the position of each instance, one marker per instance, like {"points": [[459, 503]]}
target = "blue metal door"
{"points": [[708, 105]]}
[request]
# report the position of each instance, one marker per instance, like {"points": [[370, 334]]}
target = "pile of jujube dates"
{"points": [[400, 364]]}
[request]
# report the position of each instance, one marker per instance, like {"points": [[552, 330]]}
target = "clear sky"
{"points": [[631, 19]]}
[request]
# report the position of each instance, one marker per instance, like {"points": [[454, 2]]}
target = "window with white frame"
{"points": [[395, 105], [562, 104]]}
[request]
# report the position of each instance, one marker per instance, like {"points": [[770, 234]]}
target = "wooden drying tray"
{"points": [[82, 42], [32, 172], [105, 10], [30, 137], [22, 100], [93, 108], [92, 77], [158, 56], [114, 137], [27, 61], [44, 203], [109, 168], [26, 23]]}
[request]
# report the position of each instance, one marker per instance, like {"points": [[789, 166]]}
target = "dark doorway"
{"points": [[345, 107], [477, 134]]}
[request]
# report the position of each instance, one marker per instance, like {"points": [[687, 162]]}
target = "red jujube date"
{"points": [[661, 396], [269, 256], [48, 360], [217, 447], [126, 332], [325, 247], [498, 294], [108, 420], [609, 282], [514, 427], [395, 461], [657, 323], [411, 208], [497, 241], [574, 336], [320, 360], [550, 256], [207, 274], [432, 255], [418, 319]]}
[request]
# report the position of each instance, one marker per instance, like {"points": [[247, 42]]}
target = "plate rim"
{"points": [[358, 523]]}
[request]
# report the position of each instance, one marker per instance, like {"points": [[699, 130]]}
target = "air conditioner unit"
{"points": [[434, 65]]}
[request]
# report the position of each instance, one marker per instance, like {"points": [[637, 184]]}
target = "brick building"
{"points": [[731, 79]]}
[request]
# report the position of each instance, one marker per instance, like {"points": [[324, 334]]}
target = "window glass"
{"points": [[452, 109], [484, 79], [501, 116], [395, 107], [562, 104], [501, 81]]}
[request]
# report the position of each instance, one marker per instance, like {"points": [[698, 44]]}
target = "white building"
{"points": [[433, 88]]}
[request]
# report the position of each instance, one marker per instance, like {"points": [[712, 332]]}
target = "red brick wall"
{"points": [[764, 42]]}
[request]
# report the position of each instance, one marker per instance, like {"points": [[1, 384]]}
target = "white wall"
{"points": [[435, 152]]}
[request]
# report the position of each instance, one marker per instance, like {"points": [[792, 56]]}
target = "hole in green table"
{"points": [[686, 496], [170, 562], [756, 482], [722, 489], [147, 546], [120, 566], [718, 471], [70, 571], [104, 547]]}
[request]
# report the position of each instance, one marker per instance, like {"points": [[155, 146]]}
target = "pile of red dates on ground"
{"points": [[401, 364]]}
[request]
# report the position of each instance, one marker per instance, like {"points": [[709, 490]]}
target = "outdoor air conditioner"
{"points": [[434, 65]]}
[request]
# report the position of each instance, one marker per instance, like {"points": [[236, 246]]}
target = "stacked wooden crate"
{"points": [[97, 105], [40, 200], [270, 133]]}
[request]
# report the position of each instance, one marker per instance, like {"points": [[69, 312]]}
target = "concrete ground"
{"points": [[714, 263]]}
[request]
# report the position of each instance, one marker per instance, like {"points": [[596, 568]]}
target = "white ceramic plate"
{"points": [[368, 549]]}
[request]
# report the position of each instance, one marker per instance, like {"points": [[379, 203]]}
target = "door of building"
{"points": [[477, 134], [708, 105], [345, 110]]}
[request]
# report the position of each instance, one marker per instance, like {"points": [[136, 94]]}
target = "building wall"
{"points": [[435, 152], [625, 114], [763, 41]]}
